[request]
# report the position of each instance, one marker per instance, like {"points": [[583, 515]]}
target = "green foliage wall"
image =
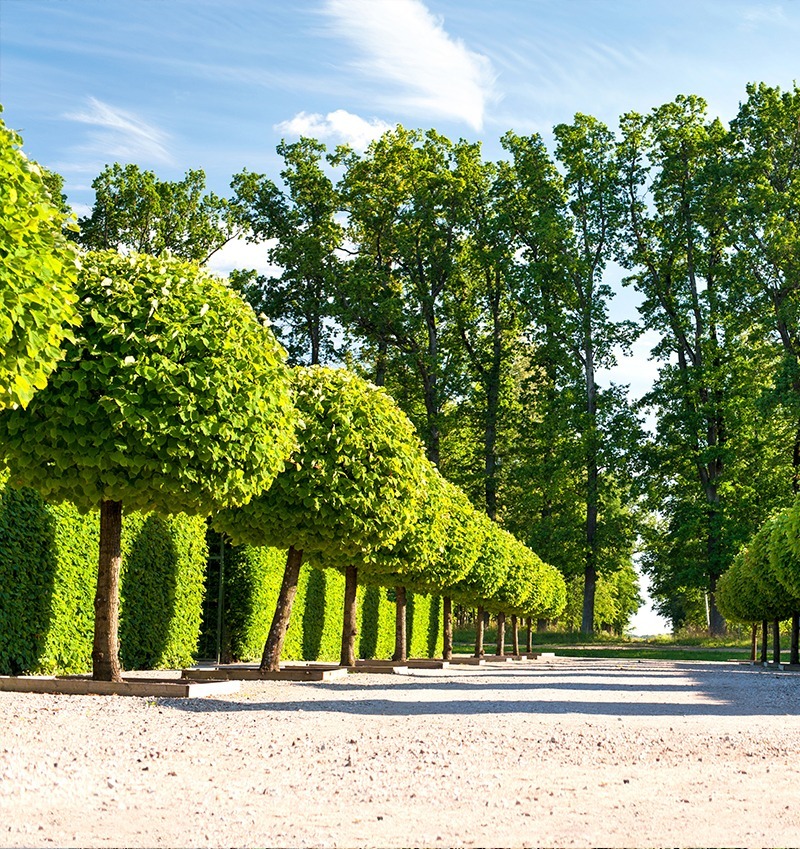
{"points": [[48, 567], [252, 580]]}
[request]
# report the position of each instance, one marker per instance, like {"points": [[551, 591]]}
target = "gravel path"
{"points": [[565, 752]]}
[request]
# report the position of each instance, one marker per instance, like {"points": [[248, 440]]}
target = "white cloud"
{"points": [[340, 126], [401, 42], [121, 135]]}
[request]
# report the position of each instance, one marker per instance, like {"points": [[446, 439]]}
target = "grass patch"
{"points": [[665, 647]]}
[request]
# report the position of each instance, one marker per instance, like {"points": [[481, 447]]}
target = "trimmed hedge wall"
{"points": [[252, 581], [48, 569]]}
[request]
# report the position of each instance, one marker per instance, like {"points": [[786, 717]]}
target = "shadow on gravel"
{"points": [[698, 692]]}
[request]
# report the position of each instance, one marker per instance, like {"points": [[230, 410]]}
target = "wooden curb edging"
{"points": [[147, 687], [236, 672]]}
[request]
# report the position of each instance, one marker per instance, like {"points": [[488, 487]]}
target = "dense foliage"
{"points": [[478, 294], [38, 269], [170, 396], [48, 568]]}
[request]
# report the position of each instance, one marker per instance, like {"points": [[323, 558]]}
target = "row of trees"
{"points": [[171, 396], [477, 293], [763, 582]]}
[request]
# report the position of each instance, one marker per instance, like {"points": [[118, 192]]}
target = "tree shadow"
{"points": [[28, 568], [314, 613], [720, 695], [148, 590], [370, 622]]}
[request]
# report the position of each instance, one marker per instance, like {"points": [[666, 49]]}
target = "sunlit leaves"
{"points": [[171, 396], [38, 268]]}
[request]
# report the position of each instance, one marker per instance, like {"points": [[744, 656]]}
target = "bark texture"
{"points": [[501, 634], [447, 614], [480, 630], [105, 649], [271, 658], [349, 624], [400, 630], [514, 634]]}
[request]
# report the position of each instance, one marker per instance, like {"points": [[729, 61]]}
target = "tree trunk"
{"points": [[447, 608], [776, 641], [753, 641], [501, 634], [717, 626], [764, 640], [400, 631], [514, 634], [271, 658], [105, 650], [480, 630], [794, 657], [349, 625], [529, 636], [589, 589]]}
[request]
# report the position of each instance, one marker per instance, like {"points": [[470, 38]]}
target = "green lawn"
{"points": [[605, 645]]}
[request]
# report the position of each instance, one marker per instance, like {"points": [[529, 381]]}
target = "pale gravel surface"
{"points": [[561, 753]]}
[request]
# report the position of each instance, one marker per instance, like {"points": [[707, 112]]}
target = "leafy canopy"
{"points": [[353, 483], [171, 396], [38, 267]]}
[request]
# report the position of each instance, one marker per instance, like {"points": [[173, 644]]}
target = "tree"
{"points": [[676, 200], [135, 211], [406, 200], [38, 270], [764, 223], [350, 488], [171, 397], [566, 229], [299, 224]]}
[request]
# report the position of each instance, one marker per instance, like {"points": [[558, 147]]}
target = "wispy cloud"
{"points": [[401, 42], [121, 135], [340, 126], [754, 16]]}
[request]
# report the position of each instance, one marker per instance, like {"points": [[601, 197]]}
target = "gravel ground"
{"points": [[563, 752]]}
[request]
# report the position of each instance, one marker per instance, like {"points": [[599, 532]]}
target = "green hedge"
{"points": [[48, 567], [252, 581]]}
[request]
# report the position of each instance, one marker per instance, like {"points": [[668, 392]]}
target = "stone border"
{"points": [[251, 672]]}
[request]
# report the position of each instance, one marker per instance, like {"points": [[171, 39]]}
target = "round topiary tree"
{"points": [[38, 269], [437, 551], [482, 582], [351, 487], [171, 397]]}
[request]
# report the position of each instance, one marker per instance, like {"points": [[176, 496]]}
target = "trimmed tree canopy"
{"points": [[784, 552], [171, 396], [353, 483], [38, 267], [438, 549]]}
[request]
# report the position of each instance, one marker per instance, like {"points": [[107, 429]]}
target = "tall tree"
{"points": [[406, 200], [675, 222], [135, 211], [569, 248], [486, 310], [299, 224], [765, 233]]}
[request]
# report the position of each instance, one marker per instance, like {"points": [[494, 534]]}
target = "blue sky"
{"points": [[179, 84]]}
